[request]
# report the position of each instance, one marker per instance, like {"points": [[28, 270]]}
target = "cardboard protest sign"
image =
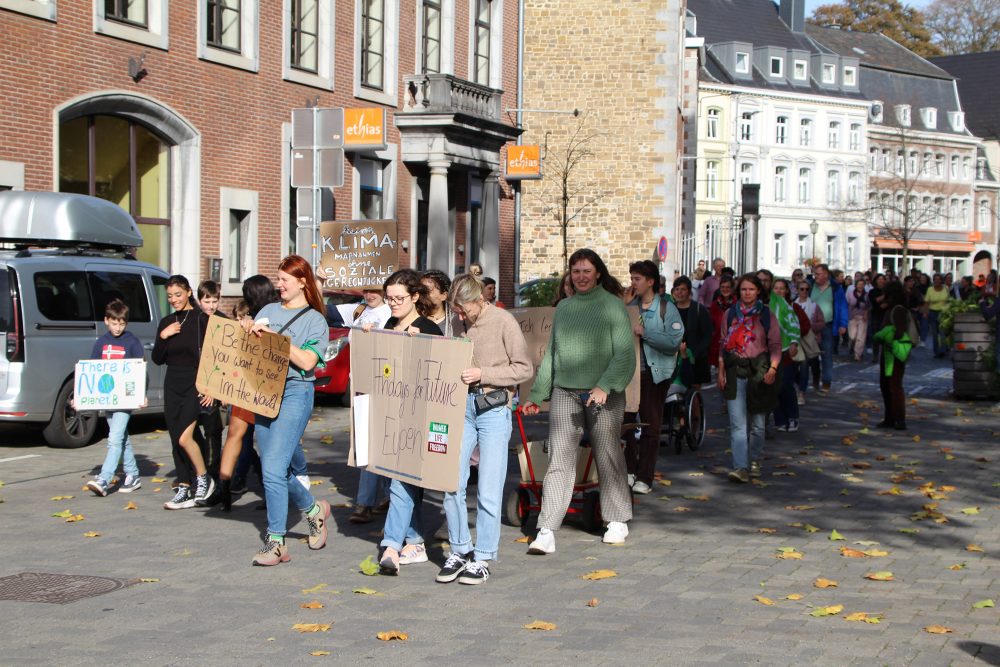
{"points": [[242, 369], [357, 254], [109, 384], [411, 389], [536, 325]]}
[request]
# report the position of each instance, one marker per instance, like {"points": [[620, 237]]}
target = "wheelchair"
{"points": [[683, 418]]}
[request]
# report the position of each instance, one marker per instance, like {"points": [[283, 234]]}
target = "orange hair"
{"points": [[296, 265]]}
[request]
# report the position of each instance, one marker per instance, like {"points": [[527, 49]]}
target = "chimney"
{"points": [[792, 12]]}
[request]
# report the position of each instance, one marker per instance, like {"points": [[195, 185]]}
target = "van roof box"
{"points": [[61, 219]]}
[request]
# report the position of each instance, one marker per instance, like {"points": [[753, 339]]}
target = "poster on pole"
{"points": [[357, 254], [242, 369], [109, 384], [412, 391], [536, 325]]}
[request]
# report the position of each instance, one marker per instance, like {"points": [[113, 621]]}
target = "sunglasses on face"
{"points": [[803, 289]]}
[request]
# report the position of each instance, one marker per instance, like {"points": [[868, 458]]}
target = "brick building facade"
{"points": [[180, 112]]}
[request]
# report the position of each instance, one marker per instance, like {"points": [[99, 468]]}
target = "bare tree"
{"points": [[565, 196], [964, 26]]}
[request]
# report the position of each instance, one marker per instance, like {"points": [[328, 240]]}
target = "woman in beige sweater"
{"points": [[500, 362]]}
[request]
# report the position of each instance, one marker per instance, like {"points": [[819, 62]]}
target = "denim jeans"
{"points": [[404, 520], [370, 487], [788, 401], [738, 437], [119, 447], [491, 431], [934, 322], [826, 353], [278, 439]]}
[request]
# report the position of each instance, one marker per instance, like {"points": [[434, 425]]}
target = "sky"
{"points": [[813, 4]]}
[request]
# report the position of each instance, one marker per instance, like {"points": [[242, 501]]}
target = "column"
{"points": [[439, 242], [489, 253]]}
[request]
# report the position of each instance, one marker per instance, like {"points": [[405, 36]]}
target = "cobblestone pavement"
{"points": [[700, 551]]}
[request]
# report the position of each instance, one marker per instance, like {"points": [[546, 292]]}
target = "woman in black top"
{"points": [[178, 345], [408, 299], [698, 331]]}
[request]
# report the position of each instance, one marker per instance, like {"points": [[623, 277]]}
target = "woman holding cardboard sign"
{"points": [[300, 316], [178, 345], [410, 305]]}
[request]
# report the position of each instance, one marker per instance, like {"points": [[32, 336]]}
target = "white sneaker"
{"points": [[616, 533], [631, 479], [545, 543], [304, 481], [413, 553], [641, 488]]}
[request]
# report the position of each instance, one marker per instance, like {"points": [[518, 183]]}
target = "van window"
{"points": [[6, 305], [160, 294], [63, 296], [106, 286]]}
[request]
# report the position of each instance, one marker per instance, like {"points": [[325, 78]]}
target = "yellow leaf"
{"points": [[894, 491], [664, 482], [788, 553], [970, 510], [847, 552], [393, 634], [767, 531], [131, 505], [319, 653], [957, 566], [327, 439], [149, 581], [799, 508], [156, 489], [364, 590], [701, 498], [315, 482], [315, 604], [681, 508], [882, 575], [947, 488], [599, 574], [63, 514], [593, 602], [159, 480], [763, 600], [540, 625], [984, 604], [696, 474], [863, 616], [835, 536], [74, 518], [318, 588], [312, 627], [809, 528], [975, 548], [832, 610], [916, 438], [61, 498], [824, 583], [794, 596], [92, 533], [937, 629], [523, 540]]}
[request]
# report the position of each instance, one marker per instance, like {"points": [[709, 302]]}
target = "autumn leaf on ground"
{"points": [[599, 574], [61, 498], [957, 566], [312, 627], [970, 510], [92, 533], [788, 553], [875, 553], [809, 528], [894, 491], [767, 531], [832, 610], [364, 590], [540, 625], [327, 439], [682, 508], [702, 498], [63, 514], [763, 600], [664, 482], [319, 653], [315, 604], [523, 540], [835, 536], [318, 588], [794, 596], [799, 508], [159, 480], [975, 548], [863, 616], [369, 567], [74, 518], [593, 602], [149, 581], [131, 505], [848, 552], [825, 583], [983, 604], [916, 438], [937, 629], [696, 474], [909, 531], [881, 575]]}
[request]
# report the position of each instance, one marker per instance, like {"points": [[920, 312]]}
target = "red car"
{"points": [[335, 379]]}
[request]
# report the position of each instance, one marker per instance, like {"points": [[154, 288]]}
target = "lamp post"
{"points": [[814, 227]]}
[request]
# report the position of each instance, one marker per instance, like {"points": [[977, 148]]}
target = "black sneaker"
{"points": [[238, 486], [181, 501], [204, 490], [454, 566], [476, 572]]}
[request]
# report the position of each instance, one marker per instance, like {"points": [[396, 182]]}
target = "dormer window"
{"points": [[903, 114], [742, 62], [801, 70], [876, 111], [777, 67], [956, 119], [829, 73], [850, 76], [928, 115]]}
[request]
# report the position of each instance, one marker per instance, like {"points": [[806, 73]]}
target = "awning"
{"points": [[915, 244]]}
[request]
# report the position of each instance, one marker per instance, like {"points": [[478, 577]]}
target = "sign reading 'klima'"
{"points": [[357, 254]]}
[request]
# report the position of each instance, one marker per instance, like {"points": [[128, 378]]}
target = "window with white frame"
{"points": [[305, 35], [801, 246], [954, 213], [430, 36], [900, 162], [481, 40], [850, 76], [886, 160], [376, 45], [742, 62], [805, 132], [940, 213], [854, 187], [746, 173], [939, 165], [229, 33], [833, 135], [746, 126], [712, 179], [805, 185], [780, 184], [966, 214], [966, 167], [833, 187], [371, 197], [829, 73], [777, 67], [957, 120], [851, 252], [800, 70], [913, 164], [238, 219], [781, 130], [983, 223], [928, 164], [953, 172], [855, 137], [41, 9], [980, 168], [373, 43], [926, 207], [929, 116], [832, 249], [712, 123], [903, 114], [222, 24], [873, 158], [142, 21], [778, 247], [309, 47]]}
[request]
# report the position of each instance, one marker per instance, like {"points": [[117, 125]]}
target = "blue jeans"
{"points": [[491, 431], [826, 353], [934, 321], [738, 439], [403, 522], [278, 439], [119, 447], [370, 487], [788, 400]]}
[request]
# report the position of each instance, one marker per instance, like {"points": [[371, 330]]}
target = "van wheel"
{"points": [[68, 428]]}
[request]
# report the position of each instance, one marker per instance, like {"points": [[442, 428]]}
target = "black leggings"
{"points": [[180, 410]]}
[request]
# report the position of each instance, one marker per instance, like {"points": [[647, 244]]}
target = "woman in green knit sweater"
{"points": [[589, 361]]}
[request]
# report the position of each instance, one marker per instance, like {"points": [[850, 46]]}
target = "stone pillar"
{"points": [[439, 237], [489, 252]]}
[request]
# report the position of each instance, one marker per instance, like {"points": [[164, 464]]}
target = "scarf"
{"points": [[723, 303], [740, 332]]}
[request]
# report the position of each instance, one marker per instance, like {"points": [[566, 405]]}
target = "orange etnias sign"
{"points": [[524, 162], [364, 128]]}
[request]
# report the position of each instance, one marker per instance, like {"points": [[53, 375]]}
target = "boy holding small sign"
{"points": [[116, 344]]}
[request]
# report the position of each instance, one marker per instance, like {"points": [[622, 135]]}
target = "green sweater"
{"points": [[592, 345]]}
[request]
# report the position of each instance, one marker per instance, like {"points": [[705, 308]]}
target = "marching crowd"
{"points": [[768, 342]]}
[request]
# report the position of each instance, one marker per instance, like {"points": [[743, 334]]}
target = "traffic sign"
{"points": [[661, 249], [329, 163], [318, 128]]}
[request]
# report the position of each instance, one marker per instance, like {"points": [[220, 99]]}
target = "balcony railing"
{"points": [[443, 93]]}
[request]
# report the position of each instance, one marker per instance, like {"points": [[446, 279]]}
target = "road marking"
{"points": [[917, 389], [18, 458], [939, 374], [847, 388]]}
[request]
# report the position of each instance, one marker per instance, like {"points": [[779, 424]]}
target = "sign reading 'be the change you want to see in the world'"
{"points": [[242, 369], [109, 384]]}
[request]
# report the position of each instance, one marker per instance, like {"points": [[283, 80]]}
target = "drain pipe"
{"points": [[520, 105]]}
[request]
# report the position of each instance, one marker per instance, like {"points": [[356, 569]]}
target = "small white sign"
{"points": [[110, 384]]}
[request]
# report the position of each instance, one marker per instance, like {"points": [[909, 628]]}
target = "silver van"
{"points": [[63, 257]]}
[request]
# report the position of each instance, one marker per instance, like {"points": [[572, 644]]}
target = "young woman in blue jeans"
{"points": [[299, 316]]}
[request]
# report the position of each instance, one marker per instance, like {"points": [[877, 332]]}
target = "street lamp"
{"points": [[814, 227]]}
